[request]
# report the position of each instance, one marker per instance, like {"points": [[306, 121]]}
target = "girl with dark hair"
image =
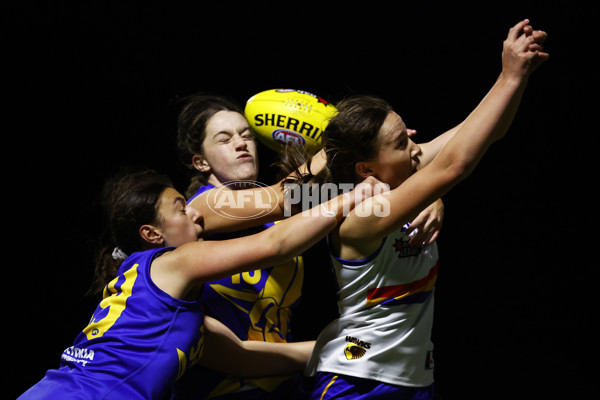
{"points": [[149, 327], [215, 141], [380, 346]]}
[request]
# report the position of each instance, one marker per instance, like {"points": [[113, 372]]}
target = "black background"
{"points": [[90, 87]]}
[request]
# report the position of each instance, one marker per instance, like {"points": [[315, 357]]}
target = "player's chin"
{"points": [[247, 170]]}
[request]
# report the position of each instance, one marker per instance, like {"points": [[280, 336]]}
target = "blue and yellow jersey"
{"points": [[255, 305], [138, 342]]}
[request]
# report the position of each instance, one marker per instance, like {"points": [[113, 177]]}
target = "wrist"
{"points": [[337, 207], [511, 80]]}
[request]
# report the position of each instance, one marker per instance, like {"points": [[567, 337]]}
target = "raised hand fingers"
{"points": [[536, 38], [523, 49], [536, 46], [524, 40], [523, 35], [539, 36], [515, 31]]}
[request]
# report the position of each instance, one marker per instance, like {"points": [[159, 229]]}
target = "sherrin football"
{"points": [[281, 116]]}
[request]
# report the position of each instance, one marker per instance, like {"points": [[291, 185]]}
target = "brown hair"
{"points": [[197, 109], [351, 136], [130, 200]]}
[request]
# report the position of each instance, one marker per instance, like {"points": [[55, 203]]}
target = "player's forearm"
{"points": [[225, 352], [226, 210], [486, 124], [498, 108], [234, 210], [295, 235], [431, 149], [277, 358]]}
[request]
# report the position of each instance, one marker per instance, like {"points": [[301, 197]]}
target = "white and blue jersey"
{"points": [[386, 316]]}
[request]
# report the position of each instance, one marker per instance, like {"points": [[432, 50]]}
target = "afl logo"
{"points": [[285, 136], [258, 202], [353, 351]]}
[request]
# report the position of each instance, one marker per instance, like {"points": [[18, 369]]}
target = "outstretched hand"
{"points": [[426, 227], [523, 50]]}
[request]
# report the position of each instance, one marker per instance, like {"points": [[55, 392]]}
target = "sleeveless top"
{"points": [[386, 316], [139, 341]]}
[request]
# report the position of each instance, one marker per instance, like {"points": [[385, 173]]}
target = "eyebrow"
{"points": [[240, 131], [180, 199], [398, 136], [222, 133]]}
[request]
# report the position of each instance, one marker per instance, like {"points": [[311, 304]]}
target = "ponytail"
{"points": [[106, 270]]}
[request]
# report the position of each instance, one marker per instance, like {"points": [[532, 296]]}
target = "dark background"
{"points": [[89, 88]]}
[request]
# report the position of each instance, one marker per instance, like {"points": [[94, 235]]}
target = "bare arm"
{"points": [[225, 210], [486, 124], [432, 148], [182, 272], [225, 352], [210, 260]]}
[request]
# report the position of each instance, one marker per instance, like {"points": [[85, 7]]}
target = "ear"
{"points": [[201, 164], [151, 234], [363, 169]]}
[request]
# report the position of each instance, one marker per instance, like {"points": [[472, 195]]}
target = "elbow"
{"points": [[452, 167], [454, 173], [457, 171], [450, 172]]}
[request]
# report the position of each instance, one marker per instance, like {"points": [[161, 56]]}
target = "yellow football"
{"points": [[282, 116]]}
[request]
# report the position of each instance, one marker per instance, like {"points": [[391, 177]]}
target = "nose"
{"points": [[415, 151], [239, 143], [193, 213]]}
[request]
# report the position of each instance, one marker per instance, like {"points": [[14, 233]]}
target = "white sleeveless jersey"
{"points": [[386, 315]]}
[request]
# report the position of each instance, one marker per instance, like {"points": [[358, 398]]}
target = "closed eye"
{"points": [[402, 141], [222, 137], [181, 204], [247, 134]]}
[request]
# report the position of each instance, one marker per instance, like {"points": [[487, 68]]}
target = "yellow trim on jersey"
{"points": [[328, 386], [115, 301]]}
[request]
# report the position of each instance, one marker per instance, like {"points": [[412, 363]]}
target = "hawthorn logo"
{"points": [[353, 351], [259, 201], [356, 348]]}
